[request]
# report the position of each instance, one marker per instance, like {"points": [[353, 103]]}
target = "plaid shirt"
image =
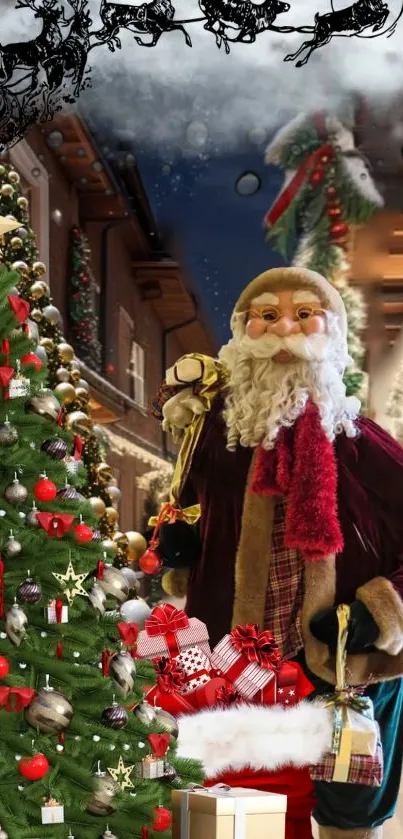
{"points": [[285, 590]]}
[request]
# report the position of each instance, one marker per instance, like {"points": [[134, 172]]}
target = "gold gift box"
{"points": [[363, 732], [246, 813]]}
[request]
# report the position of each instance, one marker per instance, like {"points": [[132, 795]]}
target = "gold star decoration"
{"points": [[76, 579], [122, 775]]}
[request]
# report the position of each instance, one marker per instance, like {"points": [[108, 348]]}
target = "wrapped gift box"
{"points": [[169, 632], [173, 703], [356, 769], [363, 732], [227, 813], [52, 813], [51, 613], [248, 677], [150, 768], [196, 666]]}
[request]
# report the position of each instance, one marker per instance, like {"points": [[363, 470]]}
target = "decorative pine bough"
{"points": [[327, 190]]}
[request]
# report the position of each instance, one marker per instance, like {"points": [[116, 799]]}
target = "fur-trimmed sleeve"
{"points": [[386, 606]]}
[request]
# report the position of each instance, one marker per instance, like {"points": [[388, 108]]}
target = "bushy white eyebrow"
{"points": [[267, 297], [305, 297]]}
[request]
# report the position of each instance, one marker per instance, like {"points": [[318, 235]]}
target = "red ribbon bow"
{"points": [[19, 307], [170, 677], [256, 646], [283, 201], [22, 698], [78, 447], [159, 744], [55, 525], [165, 619], [228, 695], [6, 374], [128, 633]]}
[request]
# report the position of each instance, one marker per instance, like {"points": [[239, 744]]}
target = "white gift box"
{"points": [[51, 613], [196, 665], [19, 386], [53, 814], [151, 768]]}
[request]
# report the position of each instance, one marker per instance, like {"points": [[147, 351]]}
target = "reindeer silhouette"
{"points": [[31, 54], [350, 21], [249, 18], [70, 57], [153, 18]]}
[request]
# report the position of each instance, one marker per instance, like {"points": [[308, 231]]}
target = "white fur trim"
{"points": [[262, 738]]}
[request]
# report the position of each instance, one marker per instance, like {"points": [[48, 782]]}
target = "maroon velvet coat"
{"points": [[370, 509]]}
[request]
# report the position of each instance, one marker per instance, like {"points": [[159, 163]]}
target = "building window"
{"points": [[136, 372]]}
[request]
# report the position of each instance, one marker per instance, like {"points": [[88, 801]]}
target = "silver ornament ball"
{"points": [[8, 434], [114, 584], [16, 625], [122, 671], [105, 788], [16, 493], [49, 712], [145, 713]]}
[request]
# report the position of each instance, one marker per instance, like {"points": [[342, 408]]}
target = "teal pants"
{"points": [[350, 806]]}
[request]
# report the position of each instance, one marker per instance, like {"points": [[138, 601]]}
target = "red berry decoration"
{"points": [[31, 358], [150, 562], [338, 230], [82, 532], [34, 768], [45, 490], [162, 819], [317, 176], [331, 191], [4, 667], [334, 212]]}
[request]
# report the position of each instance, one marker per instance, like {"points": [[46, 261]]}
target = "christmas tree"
{"points": [[79, 756], [64, 370], [328, 191]]}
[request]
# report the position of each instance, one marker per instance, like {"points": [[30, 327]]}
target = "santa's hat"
{"points": [[294, 277]]}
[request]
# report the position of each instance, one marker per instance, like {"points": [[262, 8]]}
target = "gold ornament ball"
{"points": [[16, 242], [38, 289], [20, 266], [104, 472], [39, 268], [82, 395], [66, 353], [74, 364], [22, 202], [2, 170], [114, 494], [7, 190], [112, 515], [62, 374], [137, 543], [65, 392], [75, 377], [45, 405], [46, 343], [52, 314], [109, 545], [36, 315], [13, 177], [97, 506], [79, 423], [84, 385]]}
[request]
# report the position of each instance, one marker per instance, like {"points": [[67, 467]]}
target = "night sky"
{"points": [[219, 231]]}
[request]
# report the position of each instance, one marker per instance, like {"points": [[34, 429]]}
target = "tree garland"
{"points": [[327, 189], [82, 320]]}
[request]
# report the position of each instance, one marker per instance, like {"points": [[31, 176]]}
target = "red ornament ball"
{"points": [[34, 768], [31, 358], [334, 212], [331, 191], [338, 230], [150, 562], [110, 368], [4, 667], [83, 533], [45, 490], [317, 176], [162, 819]]}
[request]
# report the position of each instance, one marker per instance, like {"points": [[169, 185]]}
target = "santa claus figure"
{"points": [[301, 504]]}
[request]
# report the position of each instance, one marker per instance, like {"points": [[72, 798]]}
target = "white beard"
{"points": [[265, 396]]}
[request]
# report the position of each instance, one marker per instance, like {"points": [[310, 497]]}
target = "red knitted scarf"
{"points": [[303, 467]]}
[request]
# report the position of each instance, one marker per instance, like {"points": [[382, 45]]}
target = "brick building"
{"points": [[142, 295]]}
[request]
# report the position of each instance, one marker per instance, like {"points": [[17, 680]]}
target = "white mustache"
{"points": [[305, 347]]}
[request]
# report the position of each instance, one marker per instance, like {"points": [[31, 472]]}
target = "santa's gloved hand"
{"points": [[179, 544], [363, 631]]}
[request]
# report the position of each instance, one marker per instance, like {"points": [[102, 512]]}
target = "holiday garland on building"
{"points": [[64, 374], [328, 190], [82, 320]]}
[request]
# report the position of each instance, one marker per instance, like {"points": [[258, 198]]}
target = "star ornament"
{"points": [[71, 591], [122, 775]]}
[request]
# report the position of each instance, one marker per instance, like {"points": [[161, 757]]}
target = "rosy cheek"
{"points": [[315, 325], [255, 327]]}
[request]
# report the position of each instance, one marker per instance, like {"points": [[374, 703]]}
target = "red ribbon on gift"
{"points": [[22, 698], [173, 703], [19, 307], [259, 647], [288, 194], [78, 447], [228, 695], [170, 676], [159, 744], [55, 525], [166, 620], [128, 633]]}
